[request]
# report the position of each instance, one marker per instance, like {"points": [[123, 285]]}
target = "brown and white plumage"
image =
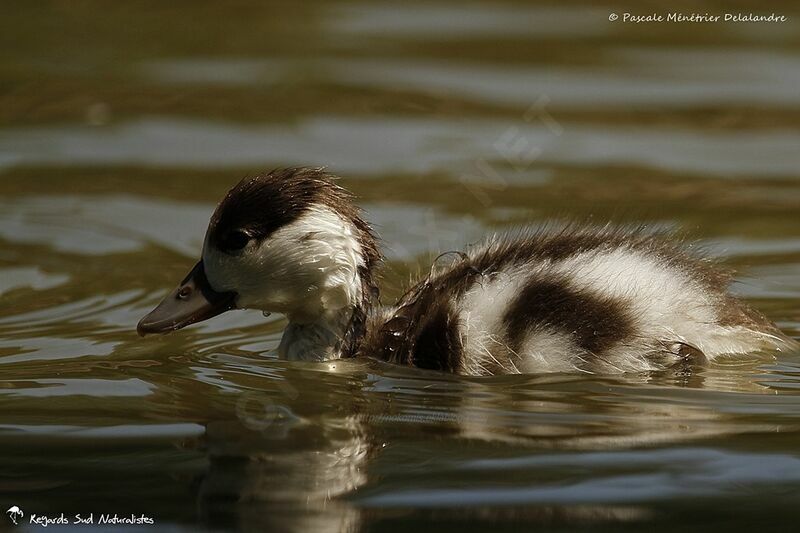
{"points": [[575, 298]]}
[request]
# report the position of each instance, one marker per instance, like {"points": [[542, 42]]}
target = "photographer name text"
{"points": [[698, 17]]}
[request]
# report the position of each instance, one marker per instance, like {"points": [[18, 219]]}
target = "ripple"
{"points": [[697, 472], [740, 247], [385, 145], [771, 83], [28, 277], [641, 76], [410, 230], [215, 71], [99, 225], [454, 21], [42, 348], [777, 282], [93, 308], [101, 388], [118, 432]]}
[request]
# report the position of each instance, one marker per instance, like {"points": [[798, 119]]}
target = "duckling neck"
{"points": [[331, 328], [330, 336], [328, 315]]}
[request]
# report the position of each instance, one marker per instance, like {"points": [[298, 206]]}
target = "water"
{"points": [[120, 128]]}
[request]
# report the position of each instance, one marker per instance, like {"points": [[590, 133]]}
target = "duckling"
{"points": [[577, 298]]}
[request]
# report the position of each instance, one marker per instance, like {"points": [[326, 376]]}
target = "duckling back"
{"points": [[585, 299]]}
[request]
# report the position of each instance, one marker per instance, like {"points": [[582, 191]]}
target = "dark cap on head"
{"points": [[258, 206]]}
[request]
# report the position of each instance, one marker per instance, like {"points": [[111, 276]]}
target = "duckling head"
{"points": [[289, 241]]}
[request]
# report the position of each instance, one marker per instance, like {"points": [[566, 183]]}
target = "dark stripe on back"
{"points": [[595, 323]]}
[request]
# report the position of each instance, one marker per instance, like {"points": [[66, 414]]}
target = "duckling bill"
{"points": [[192, 301], [575, 299]]}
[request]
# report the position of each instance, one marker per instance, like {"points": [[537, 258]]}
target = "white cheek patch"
{"points": [[307, 267], [332, 255]]}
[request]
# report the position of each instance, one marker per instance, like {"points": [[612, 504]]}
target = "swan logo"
{"points": [[15, 513]]}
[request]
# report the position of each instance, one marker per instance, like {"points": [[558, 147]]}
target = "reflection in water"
{"points": [[347, 445], [469, 448], [270, 483]]}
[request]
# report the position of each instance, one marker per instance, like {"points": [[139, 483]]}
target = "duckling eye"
{"points": [[235, 240]]}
